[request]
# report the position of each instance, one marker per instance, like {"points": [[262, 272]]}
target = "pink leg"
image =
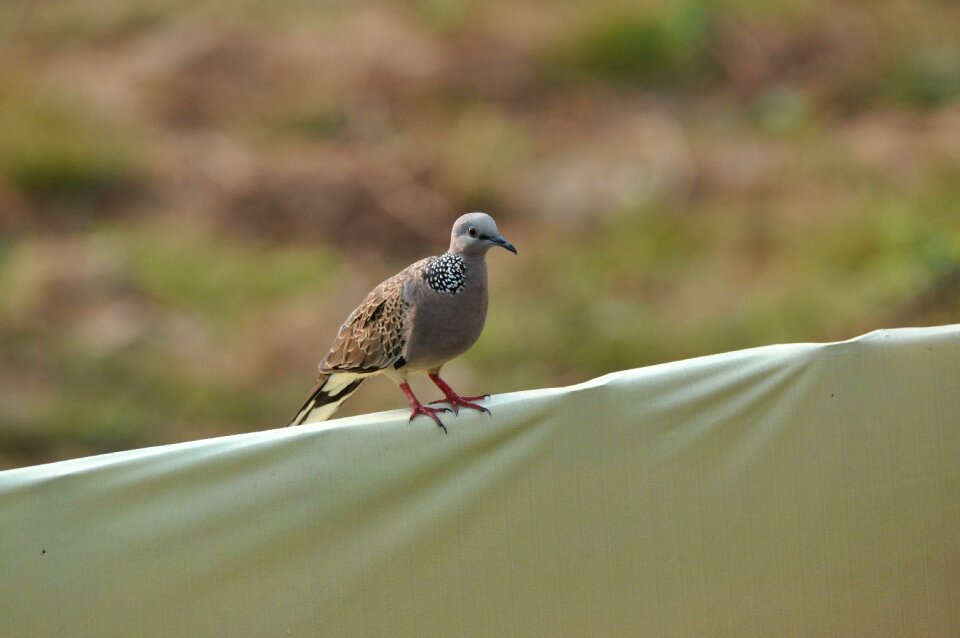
{"points": [[417, 408], [455, 400]]}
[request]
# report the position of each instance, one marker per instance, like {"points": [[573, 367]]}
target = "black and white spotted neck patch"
{"points": [[446, 273]]}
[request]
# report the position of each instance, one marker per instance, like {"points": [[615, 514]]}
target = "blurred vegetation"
{"points": [[667, 48], [49, 151], [193, 195]]}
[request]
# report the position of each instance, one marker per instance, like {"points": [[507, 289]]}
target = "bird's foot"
{"points": [[418, 409], [455, 401]]}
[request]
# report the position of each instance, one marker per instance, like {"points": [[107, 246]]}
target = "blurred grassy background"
{"points": [[193, 195]]}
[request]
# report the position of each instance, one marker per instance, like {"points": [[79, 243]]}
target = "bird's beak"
{"points": [[500, 241]]}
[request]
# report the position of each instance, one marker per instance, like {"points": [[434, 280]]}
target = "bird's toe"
{"points": [[430, 412]]}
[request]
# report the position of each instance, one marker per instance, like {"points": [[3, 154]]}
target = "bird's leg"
{"points": [[417, 408], [455, 400]]}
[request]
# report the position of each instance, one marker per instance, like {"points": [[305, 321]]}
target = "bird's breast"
{"points": [[444, 325]]}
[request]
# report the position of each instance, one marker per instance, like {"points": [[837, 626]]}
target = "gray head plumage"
{"points": [[475, 234]]}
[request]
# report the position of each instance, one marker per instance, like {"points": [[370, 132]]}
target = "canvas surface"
{"points": [[796, 490]]}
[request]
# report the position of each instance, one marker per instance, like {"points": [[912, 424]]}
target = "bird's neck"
{"points": [[474, 267], [470, 259]]}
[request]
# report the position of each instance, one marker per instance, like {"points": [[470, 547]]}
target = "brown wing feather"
{"points": [[374, 335]]}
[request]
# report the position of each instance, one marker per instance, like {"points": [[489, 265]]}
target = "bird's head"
{"points": [[475, 234]]}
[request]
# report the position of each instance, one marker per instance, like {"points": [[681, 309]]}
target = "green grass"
{"points": [[123, 400], [924, 79], [481, 148], [314, 121], [50, 149], [135, 393], [219, 279], [631, 47], [445, 15]]}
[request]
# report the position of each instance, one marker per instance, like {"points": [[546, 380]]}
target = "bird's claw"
{"points": [[430, 412], [456, 402]]}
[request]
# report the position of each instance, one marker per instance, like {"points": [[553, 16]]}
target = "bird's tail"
{"points": [[331, 390]]}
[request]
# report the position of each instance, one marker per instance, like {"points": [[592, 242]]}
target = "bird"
{"points": [[414, 322]]}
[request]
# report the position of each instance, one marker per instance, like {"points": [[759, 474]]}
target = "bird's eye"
{"points": [[472, 232]]}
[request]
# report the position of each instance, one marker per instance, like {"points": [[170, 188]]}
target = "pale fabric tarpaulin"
{"points": [[797, 490]]}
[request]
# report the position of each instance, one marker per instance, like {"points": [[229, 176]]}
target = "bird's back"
{"points": [[374, 335]]}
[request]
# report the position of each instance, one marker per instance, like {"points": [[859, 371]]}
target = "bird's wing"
{"points": [[374, 335]]}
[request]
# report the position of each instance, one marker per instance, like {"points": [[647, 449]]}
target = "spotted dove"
{"points": [[415, 321]]}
